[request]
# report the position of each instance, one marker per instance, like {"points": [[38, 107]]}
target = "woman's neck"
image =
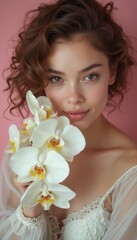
{"points": [[96, 135]]}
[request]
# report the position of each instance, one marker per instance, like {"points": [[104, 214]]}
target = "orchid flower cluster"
{"points": [[40, 153]]}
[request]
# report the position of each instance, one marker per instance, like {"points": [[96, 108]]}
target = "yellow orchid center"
{"points": [[38, 172], [48, 113], [12, 146], [24, 129], [54, 144], [46, 199]]}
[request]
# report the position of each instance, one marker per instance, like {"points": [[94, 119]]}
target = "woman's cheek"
{"points": [[55, 98], [100, 96]]}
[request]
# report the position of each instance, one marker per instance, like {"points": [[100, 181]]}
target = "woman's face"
{"points": [[78, 77]]}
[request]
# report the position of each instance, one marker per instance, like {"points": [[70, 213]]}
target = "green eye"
{"points": [[55, 79], [91, 77]]}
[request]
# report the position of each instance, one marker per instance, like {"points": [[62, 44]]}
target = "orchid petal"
{"points": [[24, 179], [29, 125], [14, 138], [61, 192], [32, 102], [43, 132], [42, 100], [26, 131], [62, 123], [23, 160], [43, 155], [13, 131], [29, 198], [74, 141], [64, 205], [45, 110], [57, 167]]}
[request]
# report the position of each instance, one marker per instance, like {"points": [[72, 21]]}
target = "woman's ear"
{"points": [[113, 73]]}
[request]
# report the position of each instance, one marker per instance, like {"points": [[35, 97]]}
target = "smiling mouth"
{"points": [[76, 115]]}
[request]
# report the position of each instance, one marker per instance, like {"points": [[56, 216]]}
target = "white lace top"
{"points": [[93, 222], [77, 226]]}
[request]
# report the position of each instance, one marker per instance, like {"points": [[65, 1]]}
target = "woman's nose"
{"points": [[75, 95]]}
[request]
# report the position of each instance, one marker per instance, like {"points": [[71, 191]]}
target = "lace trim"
{"points": [[29, 222], [55, 229], [83, 212], [57, 232], [73, 216]]}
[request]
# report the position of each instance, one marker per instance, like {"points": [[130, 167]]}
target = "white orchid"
{"points": [[40, 107], [29, 125], [14, 139], [27, 130], [39, 153], [59, 135], [39, 192], [29, 165]]}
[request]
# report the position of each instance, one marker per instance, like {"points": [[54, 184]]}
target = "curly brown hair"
{"points": [[63, 19]]}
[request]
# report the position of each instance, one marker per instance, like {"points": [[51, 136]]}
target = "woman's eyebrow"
{"points": [[90, 67], [81, 71], [55, 71]]}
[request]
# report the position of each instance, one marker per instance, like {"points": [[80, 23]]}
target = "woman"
{"points": [[78, 56]]}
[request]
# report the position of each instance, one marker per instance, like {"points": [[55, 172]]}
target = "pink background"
{"points": [[11, 17]]}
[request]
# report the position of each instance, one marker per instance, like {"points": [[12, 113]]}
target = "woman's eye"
{"points": [[91, 77], [55, 79]]}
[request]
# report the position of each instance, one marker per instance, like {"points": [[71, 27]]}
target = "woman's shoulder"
{"points": [[126, 161], [126, 149], [123, 157], [123, 150]]}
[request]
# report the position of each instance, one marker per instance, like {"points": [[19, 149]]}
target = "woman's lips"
{"points": [[76, 115]]}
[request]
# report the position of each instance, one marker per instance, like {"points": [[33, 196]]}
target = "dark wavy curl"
{"points": [[63, 19]]}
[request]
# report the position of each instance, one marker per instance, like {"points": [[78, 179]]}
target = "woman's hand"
{"points": [[20, 185], [28, 212]]}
